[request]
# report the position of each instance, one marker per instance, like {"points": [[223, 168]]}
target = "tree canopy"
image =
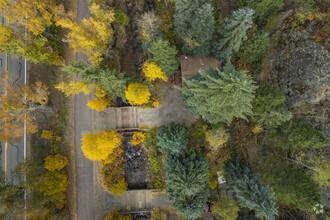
{"points": [[194, 25], [99, 146], [17, 105], [113, 83], [291, 185], [233, 33], [137, 94], [296, 135], [172, 139], [165, 55], [248, 187], [93, 36], [269, 107], [55, 162], [186, 179], [218, 95]]}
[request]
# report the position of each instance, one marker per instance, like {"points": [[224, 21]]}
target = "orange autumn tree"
{"points": [[152, 71], [137, 94], [17, 105], [92, 35], [99, 146]]}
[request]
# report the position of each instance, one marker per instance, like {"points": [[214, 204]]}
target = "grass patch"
{"points": [[63, 111], [157, 180]]}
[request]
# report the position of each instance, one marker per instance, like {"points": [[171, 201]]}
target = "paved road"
{"points": [[15, 151], [83, 124]]}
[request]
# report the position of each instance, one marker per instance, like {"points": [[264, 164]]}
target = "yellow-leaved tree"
{"points": [[152, 71], [101, 101], [74, 87], [52, 135], [99, 104], [55, 162], [54, 184], [92, 36], [137, 94], [33, 15], [99, 146], [29, 36], [138, 138], [100, 92]]}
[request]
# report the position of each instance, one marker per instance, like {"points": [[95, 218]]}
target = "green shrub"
{"points": [[254, 48], [115, 214], [213, 180], [165, 55], [226, 207], [156, 172], [121, 17], [217, 138], [263, 8], [296, 135], [151, 140], [269, 107], [272, 22]]}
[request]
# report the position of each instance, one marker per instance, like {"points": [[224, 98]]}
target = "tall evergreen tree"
{"points": [[194, 25], [173, 139], [269, 108], [114, 83], [219, 95], [252, 193], [233, 33], [263, 8], [254, 48], [187, 183], [291, 185], [296, 135], [165, 55]]}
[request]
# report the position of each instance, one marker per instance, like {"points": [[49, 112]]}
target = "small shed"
{"points": [[190, 65]]}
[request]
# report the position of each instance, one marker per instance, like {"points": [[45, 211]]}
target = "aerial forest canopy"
{"points": [[208, 109]]}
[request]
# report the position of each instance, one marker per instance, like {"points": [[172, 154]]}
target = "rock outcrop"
{"points": [[301, 68]]}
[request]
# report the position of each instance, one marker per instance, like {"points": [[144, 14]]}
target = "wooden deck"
{"points": [[126, 118]]}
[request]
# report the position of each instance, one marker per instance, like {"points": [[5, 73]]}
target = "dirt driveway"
{"points": [[171, 109]]}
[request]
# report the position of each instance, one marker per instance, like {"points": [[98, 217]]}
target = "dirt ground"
{"points": [[171, 109], [128, 42]]}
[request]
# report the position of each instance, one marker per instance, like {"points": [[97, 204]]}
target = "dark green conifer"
{"points": [[194, 25], [248, 187], [173, 139], [186, 179], [219, 95]]}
